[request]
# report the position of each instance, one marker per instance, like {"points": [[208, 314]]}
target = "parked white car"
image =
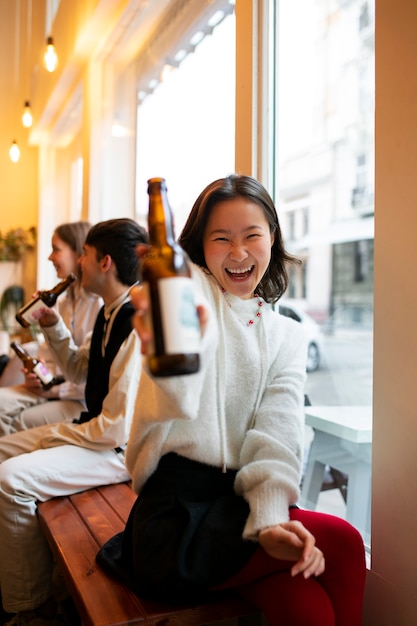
{"points": [[312, 329]]}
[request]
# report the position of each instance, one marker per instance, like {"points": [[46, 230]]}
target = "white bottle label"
{"points": [[43, 373], [179, 317], [34, 312]]}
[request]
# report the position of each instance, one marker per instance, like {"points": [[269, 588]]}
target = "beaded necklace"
{"points": [[258, 313]]}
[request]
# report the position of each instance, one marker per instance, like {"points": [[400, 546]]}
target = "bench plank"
{"points": [[75, 549], [76, 527]]}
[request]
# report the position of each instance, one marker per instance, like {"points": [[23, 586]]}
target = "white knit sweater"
{"points": [[242, 410]]}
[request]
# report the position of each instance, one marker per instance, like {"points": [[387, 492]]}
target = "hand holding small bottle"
{"points": [[34, 367], [45, 316], [33, 384]]}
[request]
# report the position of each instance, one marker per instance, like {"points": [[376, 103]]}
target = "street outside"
{"points": [[345, 373]]}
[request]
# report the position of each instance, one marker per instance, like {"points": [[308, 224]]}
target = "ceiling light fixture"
{"points": [[14, 152], [166, 72], [27, 115], [50, 58]]}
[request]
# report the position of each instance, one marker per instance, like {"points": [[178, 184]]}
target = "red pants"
{"points": [[332, 599]]}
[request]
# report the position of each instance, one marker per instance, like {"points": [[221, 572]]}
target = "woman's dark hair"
{"points": [[74, 234], [119, 238], [275, 280]]}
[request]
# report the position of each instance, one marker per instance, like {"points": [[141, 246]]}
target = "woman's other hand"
{"points": [[49, 317], [291, 541]]}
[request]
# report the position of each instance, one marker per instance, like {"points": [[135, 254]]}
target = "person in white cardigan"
{"points": [[23, 402], [216, 456]]}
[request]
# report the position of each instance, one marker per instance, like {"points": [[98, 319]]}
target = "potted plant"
{"points": [[14, 243]]}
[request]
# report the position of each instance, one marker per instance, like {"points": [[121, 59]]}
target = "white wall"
{"points": [[391, 598]]}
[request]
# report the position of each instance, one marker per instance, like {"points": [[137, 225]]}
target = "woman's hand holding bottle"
{"points": [[48, 317], [31, 312], [141, 302]]}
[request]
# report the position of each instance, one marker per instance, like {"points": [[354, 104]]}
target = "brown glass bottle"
{"points": [[32, 364], [30, 312], [167, 276]]}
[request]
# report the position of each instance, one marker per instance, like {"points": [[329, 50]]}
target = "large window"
{"points": [[325, 147], [323, 178], [186, 125], [325, 192]]}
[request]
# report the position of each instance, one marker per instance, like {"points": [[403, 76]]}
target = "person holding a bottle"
{"points": [[24, 402], [64, 458], [216, 456]]}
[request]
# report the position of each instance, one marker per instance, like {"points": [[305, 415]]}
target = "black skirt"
{"points": [[183, 535]]}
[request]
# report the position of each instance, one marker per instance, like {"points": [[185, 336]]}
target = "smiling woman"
{"points": [[229, 445], [24, 407], [237, 246]]}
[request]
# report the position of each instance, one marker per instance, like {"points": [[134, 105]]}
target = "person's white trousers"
{"points": [[29, 475]]}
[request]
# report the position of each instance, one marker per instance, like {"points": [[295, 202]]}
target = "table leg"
{"points": [[312, 482], [358, 504]]}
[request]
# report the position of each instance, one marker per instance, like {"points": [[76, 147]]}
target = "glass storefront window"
{"points": [[186, 126], [325, 193], [325, 147]]}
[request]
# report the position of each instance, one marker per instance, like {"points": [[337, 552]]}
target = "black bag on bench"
{"points": [[183, 535]]}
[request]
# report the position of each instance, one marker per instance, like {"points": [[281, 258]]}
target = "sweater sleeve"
{"points": [[271, 454], [72, 360], [111, 427], [79, 314]]}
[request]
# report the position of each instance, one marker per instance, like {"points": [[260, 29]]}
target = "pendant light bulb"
{"points": [[50, 58], [27, 115], [14, 152]]}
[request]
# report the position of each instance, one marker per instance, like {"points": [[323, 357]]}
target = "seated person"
{"points": [[64, 458], [26, 405], [216, 456]]}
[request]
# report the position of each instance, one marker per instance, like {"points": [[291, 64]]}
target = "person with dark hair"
{"points": [[64, 458], [216, 456], [118, 238], [23, 402]]}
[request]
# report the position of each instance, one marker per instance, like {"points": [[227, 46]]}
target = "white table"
{"points": [[342, 440]]}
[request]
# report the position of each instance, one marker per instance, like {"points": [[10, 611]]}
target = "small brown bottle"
{"points": [[167, 276], [32, 364], [30, 312]]}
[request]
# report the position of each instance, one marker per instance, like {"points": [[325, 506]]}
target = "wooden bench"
{"points": [[76, 526]]}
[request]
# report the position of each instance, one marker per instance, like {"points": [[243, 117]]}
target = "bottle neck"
{"points": [[160, 223], [20, 351], [60, 287]]}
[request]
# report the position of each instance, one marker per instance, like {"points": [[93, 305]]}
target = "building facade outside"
{"points": [[326, 156]]}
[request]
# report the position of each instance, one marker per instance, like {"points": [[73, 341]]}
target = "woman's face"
{"points": [[237, 245], [63, 257]]}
